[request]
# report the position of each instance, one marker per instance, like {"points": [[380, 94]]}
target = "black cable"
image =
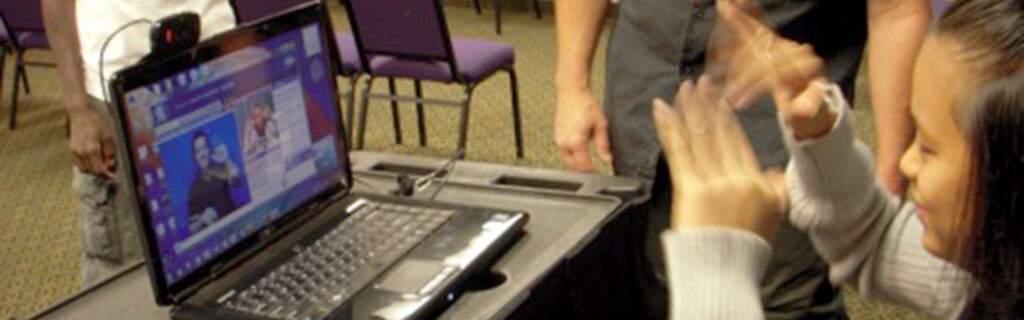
{"points": [[103, 50], [447, 168]]}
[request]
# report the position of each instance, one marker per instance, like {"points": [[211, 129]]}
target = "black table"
{"points": [[573, 258]]}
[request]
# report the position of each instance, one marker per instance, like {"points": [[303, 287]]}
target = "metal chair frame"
{"points": [[449, 58]]}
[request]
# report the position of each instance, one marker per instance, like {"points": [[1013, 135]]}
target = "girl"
{"points": [[951, 249]]}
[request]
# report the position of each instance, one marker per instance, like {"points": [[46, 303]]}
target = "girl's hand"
{"points": [[716, 178]]}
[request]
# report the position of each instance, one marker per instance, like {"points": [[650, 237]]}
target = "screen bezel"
{"points": [[156, 69]]}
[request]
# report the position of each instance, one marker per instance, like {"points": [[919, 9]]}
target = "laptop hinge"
{"points": [[216, 270]]}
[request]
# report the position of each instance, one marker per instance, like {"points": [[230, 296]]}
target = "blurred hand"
{"points": [[756, 61], [91, 142], [751, 60], [716, 179], [578, 121]]}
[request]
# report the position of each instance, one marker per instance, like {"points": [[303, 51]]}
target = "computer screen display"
{"points": [[226, 147]]}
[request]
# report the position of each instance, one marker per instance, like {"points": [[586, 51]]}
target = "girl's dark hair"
{"points": [[995, 252], [992, 35], [991, 31]]}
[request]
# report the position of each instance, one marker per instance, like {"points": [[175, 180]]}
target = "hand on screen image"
{"points": [[199, 222], [222, 167]]}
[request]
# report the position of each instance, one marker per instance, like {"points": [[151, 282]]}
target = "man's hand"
{"points": [[578, 121], [716, 179], [578, 117], [92, 143]]}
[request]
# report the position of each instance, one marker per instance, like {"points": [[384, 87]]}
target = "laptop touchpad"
{"points": [[417, 277]]}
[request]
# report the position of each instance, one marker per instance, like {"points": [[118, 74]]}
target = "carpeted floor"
{"points": [[39, 244]]}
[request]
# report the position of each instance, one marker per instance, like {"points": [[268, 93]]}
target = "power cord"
{"points": [[103, 51], [447, 168], [407, 187]]}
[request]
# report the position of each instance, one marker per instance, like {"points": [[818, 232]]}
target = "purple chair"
{"points": [[348, 65], [498, 5], [5, 46], [23, 22], [409, 39]]}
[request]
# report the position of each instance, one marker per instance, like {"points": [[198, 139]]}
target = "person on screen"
{"points": [[260, 128], [209, 197]]}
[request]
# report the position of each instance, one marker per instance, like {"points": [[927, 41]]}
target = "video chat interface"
{"points": [[225, 148]]}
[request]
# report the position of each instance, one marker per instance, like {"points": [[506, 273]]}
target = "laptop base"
{"points": [[415, 284]]}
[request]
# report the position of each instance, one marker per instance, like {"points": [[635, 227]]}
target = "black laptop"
{"points": [[241, 183]]}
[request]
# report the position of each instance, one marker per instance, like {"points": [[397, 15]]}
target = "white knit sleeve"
{"points": [[870, 239], [715, 273]]}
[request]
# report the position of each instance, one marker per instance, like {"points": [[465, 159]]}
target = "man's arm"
{"points": [[91, 142], [896, 28], [578, 118]]}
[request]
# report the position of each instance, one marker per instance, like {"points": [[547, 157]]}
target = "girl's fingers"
{"points": [[674, 144], [699, 117]]}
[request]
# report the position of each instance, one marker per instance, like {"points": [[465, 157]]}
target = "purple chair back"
{"points": [[402, 28], [4, 36], [24, 15], [252, 10]]}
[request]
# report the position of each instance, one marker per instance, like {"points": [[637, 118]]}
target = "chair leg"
{"points": [[516, 118], [365, 100], [536, 8], [395, 121], [476, 3], [419, 113], [497, 15], [24, 74], [464, 122], [3, 64], [12, 121], [353, 82]]}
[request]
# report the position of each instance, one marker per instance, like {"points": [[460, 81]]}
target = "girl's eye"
{"points": [[926, 150]]}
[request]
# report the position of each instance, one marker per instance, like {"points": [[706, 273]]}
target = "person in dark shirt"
{"points": [[209, 197]]}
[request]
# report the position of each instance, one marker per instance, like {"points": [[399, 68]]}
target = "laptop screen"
{"points": [[228, 146]]}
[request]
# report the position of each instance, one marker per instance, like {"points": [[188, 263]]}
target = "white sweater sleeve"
{"points": [[715, 273], [870, 239]]}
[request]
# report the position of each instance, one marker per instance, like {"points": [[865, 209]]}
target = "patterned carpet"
{"points": [[39, 244]]}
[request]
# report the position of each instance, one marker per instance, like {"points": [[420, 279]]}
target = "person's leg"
{"points": [[109, 238], [653, 218]]}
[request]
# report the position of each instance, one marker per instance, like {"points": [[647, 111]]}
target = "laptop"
{"points": [[241, 183]]}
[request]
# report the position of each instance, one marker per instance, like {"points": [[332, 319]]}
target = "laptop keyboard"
{"points": [[320, 276]]}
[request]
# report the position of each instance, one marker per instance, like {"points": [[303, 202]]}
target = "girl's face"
{"points": [[938, 162]]}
